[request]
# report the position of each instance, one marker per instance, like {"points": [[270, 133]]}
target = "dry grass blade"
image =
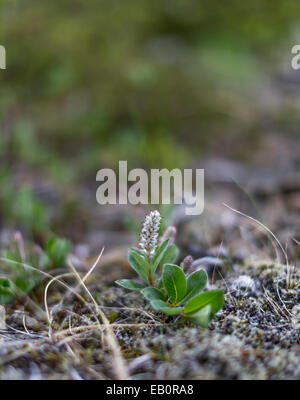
{"points": [[46, 274], [57, 279], [278, 310], [86, 275], [119, 363], [272, 235], [84, 328]]}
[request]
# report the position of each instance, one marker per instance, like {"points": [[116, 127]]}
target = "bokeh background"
{"points": [[184, 83]]}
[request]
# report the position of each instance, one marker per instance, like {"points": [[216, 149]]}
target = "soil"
{"points": [[255, 336]]}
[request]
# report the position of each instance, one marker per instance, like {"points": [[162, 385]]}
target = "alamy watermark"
{"points": [[296, 59], [161, 186], [2, 57]]}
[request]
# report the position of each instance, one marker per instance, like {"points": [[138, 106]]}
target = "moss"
{"points": [[253, 337]]}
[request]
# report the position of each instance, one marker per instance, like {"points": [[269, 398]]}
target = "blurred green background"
{"points": [[157, 83]]}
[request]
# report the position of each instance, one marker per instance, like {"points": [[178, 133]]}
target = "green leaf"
{"points": [[139, 264], [7, 291], [57, 250], [14, 256], [170, 255], [160, 283], [160, 252], [196, 282], [153, 294], [129, 284], [174, 282], [215, 298], [201, 317], [160, 305], [24, 281], [6, 286], [141, 253]]}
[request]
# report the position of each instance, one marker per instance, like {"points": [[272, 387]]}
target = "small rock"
{"points": [[31, 323], [243, 284]]}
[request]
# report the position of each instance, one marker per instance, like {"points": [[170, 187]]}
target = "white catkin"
{"points": [[149, 235]]}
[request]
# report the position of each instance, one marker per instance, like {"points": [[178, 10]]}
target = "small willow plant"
{"points": [[165, 284]]}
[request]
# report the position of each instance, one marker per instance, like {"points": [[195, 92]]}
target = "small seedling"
{"points": [[165, 284], [20, 280], [57, 250]]}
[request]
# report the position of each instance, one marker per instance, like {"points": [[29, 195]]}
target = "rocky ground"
{"points": [[255, 336]]}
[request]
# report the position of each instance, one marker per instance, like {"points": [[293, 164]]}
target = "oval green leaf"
{"points": [[160, 305], [170, 255], [151, 293], [215, 298], [139, 264], [196, 283], [160, 252], [201, 317], [129, 284], [174, 282]]}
